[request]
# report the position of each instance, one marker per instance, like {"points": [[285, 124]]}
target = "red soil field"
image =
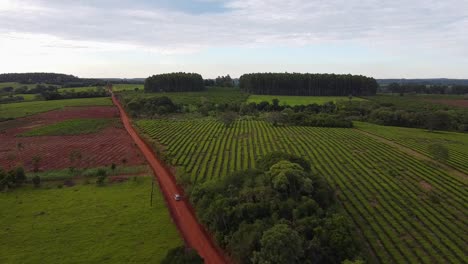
{"points": [[457, 102], [111, 145]]}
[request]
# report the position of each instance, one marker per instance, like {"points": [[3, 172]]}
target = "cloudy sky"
{"points": [[136, 38]]}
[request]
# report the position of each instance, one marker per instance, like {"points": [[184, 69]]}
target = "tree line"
{"points": [[308, 84], [174, 82], [278, 213], [38, 77], [220, 81]]}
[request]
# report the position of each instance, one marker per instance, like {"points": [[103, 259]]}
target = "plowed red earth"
{"points": [[111, 145], [194, 234], [451, 102]]}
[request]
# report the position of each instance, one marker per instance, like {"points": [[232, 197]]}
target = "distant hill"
{"points": [[430, 81]]}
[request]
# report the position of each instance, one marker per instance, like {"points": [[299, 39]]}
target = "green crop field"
{"points": [[70, 127], [86, 224], [127, 87], [216, 95], [408, 211], [300, 100], [421, 139], [15, 110]]}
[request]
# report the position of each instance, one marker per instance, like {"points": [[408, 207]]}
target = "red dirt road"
{"points": [[193, 233]]}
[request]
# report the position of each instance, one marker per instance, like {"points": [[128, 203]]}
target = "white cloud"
{"points": [[393, 27]]}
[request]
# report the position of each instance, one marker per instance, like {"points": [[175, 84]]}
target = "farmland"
{"points": [[407, 210], [86, 223], [15, 110], [70, 127], [300, 100], [103, 147], [421, 139], [215, 95]]}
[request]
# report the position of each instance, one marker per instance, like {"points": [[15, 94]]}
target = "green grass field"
{"points": [[15, 85], [15, 110], [216, 95], [407, 210], [86, 224], [421, 139], [300, 100], [70, 127]]}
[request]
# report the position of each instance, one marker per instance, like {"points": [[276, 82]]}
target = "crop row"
{"points": [[405, 210]]}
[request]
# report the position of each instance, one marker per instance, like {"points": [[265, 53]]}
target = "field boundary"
{"points": [[192, 231], [418, 155]]}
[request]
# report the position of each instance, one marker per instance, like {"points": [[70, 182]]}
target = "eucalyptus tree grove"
{"points": [[174, 82], [308, 84]]}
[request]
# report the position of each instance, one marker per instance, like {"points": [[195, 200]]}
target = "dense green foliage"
{"points": [[86, 224], [38, 77], [407, 210], [308, 84], [55, 95], [182, 255], [220, 81], [300, 100], [15, 110], [140, 106], [282, 215], [174, 82], [408, 111], [203, 101], [12, 178], [421, 140], [70, 127]]}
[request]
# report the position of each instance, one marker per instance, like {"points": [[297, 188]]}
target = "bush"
{"points": [[36, 180], [182, 255], [101, 176]]}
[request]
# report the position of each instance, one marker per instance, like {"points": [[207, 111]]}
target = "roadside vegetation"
{"points": [[301, 100]]}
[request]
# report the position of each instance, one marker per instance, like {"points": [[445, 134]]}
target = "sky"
{"points": [[138, 38]]}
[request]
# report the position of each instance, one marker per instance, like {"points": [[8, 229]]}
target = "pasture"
{"points": [[300, 100], [421, 139], [407, 210], [15, 110], [70, 127], [86, 224]]}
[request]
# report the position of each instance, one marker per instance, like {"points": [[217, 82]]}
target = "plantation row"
{"points": [[405, 210], [421, 139]]}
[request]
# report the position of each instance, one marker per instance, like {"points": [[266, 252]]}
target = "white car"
{"points": [[177, 197]]}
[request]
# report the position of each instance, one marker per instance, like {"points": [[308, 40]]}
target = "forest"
{"points": [[38, 77], [308, 84], [277, 213], [174, 82]]}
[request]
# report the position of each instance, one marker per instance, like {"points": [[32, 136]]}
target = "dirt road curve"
{"points": [[193, 233]]}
